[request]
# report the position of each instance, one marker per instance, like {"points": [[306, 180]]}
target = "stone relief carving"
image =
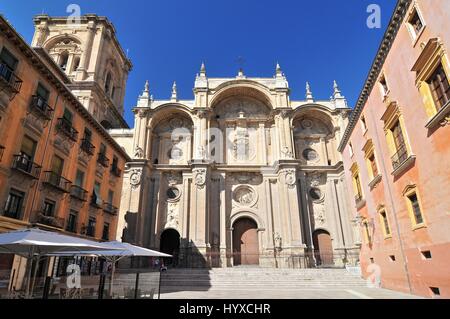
{"points": [[236, 107], [246, 178], [135, 177], [174, 178], [244, 196], [200, 177], [277, 241], [287, 153], [172, 218], [138, 153], [290, 177], [242, 148]]}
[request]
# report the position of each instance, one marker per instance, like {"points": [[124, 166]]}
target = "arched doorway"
{"points": [[245, 242], [323, 248], [170, 244]]}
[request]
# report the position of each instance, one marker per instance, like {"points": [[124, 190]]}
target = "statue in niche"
{"points": [[278, 241]]}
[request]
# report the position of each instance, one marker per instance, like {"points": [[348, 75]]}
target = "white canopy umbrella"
{"points": [[118, 251], [34, 243]]}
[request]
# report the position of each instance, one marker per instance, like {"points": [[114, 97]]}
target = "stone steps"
{"points": [[264, 279]]}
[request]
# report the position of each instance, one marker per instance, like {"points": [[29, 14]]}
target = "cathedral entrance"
{"points": [[245, 242], [170, 244], [323, 248]]}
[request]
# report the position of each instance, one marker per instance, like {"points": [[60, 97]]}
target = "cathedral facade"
{"points": [[240, 175]]}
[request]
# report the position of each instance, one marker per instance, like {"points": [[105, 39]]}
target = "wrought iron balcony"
{"points": [[110, 209], [24, 164], [2, 149], [400, 157], [87, 147], [10, 79], [103, 160], [116, 171], [40, 107], [66, 128], [52, 221], [78, 193], [57, 181]]}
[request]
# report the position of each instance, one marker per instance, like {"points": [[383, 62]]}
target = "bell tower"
{"points": [[92, 58]]}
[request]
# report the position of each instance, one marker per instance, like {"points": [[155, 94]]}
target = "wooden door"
{"points": [[245, 242]]}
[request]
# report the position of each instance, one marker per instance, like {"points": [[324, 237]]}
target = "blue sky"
{"points": [[315, 41]]}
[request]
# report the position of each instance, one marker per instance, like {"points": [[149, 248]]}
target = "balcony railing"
{"points": [[110, 209], [2, 149], [52, 221], [399, 157], [78, 193], [25, 165], [8, 77], [116, 171], [103, 160], [66, 128], [40, 107], [87, 147], [57, 181]]}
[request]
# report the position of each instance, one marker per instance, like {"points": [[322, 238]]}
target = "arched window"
{"points": [[63, 59], [108, 83], [76, 63]]}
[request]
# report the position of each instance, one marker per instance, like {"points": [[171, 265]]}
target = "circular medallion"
{"points": [[310, 155], [173, 193], [244, 196], [315, 193]]}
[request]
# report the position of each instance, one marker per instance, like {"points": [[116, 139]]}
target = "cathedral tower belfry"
{"points": [[90, 55]]}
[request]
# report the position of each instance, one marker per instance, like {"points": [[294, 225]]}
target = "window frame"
{"points": [[415, 36], [384, 222], [409, 191], [357, 183]]}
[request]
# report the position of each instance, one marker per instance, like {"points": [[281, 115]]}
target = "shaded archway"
{"points": [[323, 247], [245, 242], [170, 244]]}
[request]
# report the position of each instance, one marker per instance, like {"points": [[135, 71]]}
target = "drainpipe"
{"points": [[43, 157], [391, 199]]}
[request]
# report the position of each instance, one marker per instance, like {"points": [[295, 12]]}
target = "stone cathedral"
{"points": [[240, 175]]}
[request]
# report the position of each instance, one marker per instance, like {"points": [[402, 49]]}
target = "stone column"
{"points": [[262, 134], [140, 141], [87, 49], [223, 222], [200, 206]]}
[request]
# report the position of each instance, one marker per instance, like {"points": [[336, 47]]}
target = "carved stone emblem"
{"points": [[290, 177], [138, 152], [135, 178], [200, 177], [244, 196]]}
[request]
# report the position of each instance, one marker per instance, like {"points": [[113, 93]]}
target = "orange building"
{"points": [[59, 168], [396, 151]]}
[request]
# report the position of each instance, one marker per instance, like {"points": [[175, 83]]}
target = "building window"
{"points": [[432, 80], [363, 124], [96, 197], [108, 81], [8, 64], [440, 87], [76, 63], [384, 86], [13, 206], [72, 222], [414, 206], [350, 149], [367, 234], [49, 208], [63, 60], [394, 127], [385, 223], [356, 183], [90, 231], [105, 234], [372, 167], [25, 159], [415, 23], [417, 213]]}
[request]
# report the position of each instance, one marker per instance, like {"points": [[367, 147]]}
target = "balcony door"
{"points": [[27, 152]]}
